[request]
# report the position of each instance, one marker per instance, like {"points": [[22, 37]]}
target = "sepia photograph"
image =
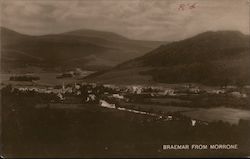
{"points": [[124, 78]]}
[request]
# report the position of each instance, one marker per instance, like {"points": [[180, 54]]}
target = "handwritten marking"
{"points": [[184, 6]]}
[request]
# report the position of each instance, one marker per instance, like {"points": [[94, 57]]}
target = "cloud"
{"points": [[137, 19]]}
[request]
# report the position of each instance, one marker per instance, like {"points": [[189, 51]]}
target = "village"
{"points": [[90, 91], [134, 99]]}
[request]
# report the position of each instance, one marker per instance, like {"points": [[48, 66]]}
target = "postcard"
{"points": [[125, 78]]}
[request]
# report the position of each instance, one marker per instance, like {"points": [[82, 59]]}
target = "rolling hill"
{"points": [[87, 49], [211, 58]]}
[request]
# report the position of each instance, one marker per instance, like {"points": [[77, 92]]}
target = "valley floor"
{"points": [[77, 119]]}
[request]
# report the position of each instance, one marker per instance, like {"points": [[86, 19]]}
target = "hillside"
{"points": [[87, 49], [212, 58]]}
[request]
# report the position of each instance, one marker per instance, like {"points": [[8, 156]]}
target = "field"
{"points": [[51, 127], [224, 114], [94, 131]]}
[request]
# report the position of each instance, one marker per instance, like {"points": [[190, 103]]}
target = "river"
{"points": [[231, 115]]}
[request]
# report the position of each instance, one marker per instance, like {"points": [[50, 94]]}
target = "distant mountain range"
{"points": [[211, 58], [87, 49]]}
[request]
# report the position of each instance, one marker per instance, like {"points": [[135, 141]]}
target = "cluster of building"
{"points": [[60, 92], [107, 95], [90, 91], [185, 90]]}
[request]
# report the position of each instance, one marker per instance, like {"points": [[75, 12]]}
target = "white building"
{"points": [[137, 89], [216, 91], [193, 122], [60, 96], [169, 92], [77, 86], [105, 104], [92, 97], [118, 96], [194, 90]]}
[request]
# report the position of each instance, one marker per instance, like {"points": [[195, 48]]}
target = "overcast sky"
{"points": [[136, 19]]}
